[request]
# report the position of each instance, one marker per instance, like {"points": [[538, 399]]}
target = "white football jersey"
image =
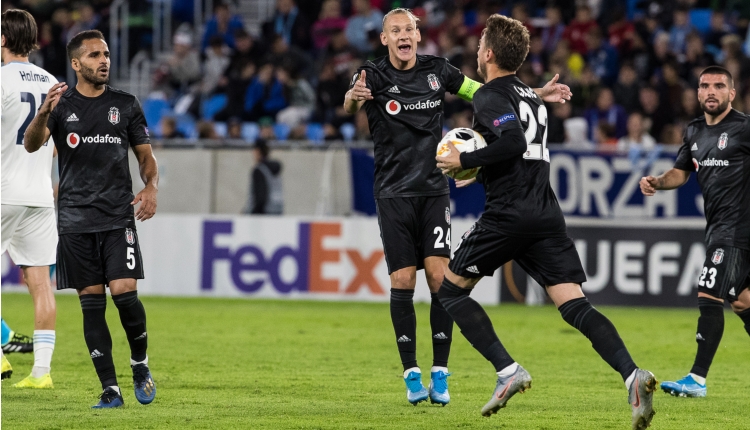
{"points": [[26, 178]]}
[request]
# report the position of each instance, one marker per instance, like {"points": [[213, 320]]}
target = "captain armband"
{"points": [[468, 88]]}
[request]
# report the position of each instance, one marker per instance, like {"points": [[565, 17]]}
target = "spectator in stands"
{"points": [[556, 126], [576, 32], [680, 29], [330, 97], [168, 126], [85, 19], [450, 50], [264, 96], [671, 135], [718, 28], [234, 128], [54, 55], [731, 49], [520, 12], [536, 57], [364, 19], [362, 126], [266, 195], [182, 68], [217, 61], [584, 90], [329, 21], [342, 55], [604, 135], [625, 89], [637, 136], [670, 86], [223, 25], [696, 59], [621, 32], [206, 130], [608, 112], [288, 23], [246, 53], [660, 116], [289, 56], [576, 133], [301, 97], [662, 54], [602, 57], [642, 57], [690, 109], [553, 32]]}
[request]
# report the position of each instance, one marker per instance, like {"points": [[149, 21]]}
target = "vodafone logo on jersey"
{"points": [[393, 107], [710, 162], [73, 140]]}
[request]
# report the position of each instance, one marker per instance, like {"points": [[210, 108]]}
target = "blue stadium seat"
{"points": [[250, 131], [348, 130], [701, 19], [186, 124], [315, 132], [221, 129], [154, 110], [281, 131], [213, 105]]}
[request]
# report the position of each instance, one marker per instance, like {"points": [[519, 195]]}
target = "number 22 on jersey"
{"points": [[534, 150]]}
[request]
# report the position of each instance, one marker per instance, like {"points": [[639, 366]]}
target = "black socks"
{"points": [[98, 339], [441, 324], [474, 324], [601, 332], [745, 317], [710, 331], [405, 325], [133, 319]]}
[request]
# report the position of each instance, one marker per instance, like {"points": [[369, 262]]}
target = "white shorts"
{"points": [[29, 235]]}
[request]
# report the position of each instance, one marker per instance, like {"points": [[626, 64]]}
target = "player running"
{"points": [[403, 96], [94, 125], [522, 222], [28, 209], [717, 147]]}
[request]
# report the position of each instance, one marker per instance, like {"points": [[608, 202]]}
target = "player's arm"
{"points": [[357, 95], [37, 132], [512, 144], [671, 179], [150, 176], [552, 92]]}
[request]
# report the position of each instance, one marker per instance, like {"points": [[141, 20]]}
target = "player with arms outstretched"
{"points": [[717, 147], [403, 95], [522, 221], [94, 126], [29, 233]]}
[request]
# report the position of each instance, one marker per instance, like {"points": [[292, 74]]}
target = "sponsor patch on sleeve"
{"points": [[502, 119]]}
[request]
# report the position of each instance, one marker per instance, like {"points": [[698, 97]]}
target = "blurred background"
{"points": [[244, 103]]}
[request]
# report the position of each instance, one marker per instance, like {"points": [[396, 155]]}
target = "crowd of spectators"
{"points": [[632, 65]]}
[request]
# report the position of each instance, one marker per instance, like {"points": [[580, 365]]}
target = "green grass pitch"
{"points": [[266, 364]]}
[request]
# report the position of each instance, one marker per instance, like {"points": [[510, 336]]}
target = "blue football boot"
{"points": [[439, 387], [143, 383], [685, 387], [415, 391], [109, 398]]}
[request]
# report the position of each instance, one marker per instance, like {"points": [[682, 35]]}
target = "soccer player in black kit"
{"points": [[522, 221], [717, 147], [403, 95], [94, 126]]}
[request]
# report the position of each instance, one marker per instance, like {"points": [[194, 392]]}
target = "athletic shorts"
{"points": [[86, 259], [725, 273], [414, 228], [29, 235], [549, 261]]}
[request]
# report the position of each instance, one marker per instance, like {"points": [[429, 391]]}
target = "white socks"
{"points": [[438, 369], [116, 388], [44, 346], [508, 370], [630, 379], [699, 379], [133, 362], [413, 369]]}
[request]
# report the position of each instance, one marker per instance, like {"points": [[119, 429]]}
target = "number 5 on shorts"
{"points": [[131, 258]]}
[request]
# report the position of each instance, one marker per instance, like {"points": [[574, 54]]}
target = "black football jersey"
{"points": [[93, 137], [720, 156], [406, 123], [520, 200]]}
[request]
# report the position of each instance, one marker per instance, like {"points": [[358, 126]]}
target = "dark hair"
{"points": [[508, 39], [19, 29], [718, 70], [74, 46], [262, 146]]}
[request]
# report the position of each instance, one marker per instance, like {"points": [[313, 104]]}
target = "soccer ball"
{"points": [[465, 140]]}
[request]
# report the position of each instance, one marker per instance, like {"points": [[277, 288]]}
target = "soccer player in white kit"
{"points": [[29, 230]]}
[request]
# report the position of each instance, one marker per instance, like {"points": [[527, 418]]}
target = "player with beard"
{"points": [[717, 147], [403, 96], [522, 221], [94, 126]]}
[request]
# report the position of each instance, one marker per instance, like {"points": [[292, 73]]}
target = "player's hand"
{"points": [[553, 92], [360, 92], [147, 197], [451, 161], [648, 185], [465, 182], [53, 97]]}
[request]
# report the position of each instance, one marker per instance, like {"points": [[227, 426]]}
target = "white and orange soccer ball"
{"points": [[465, 140]]}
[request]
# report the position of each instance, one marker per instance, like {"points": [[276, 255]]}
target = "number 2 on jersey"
{"points": [[28, 98], [534, 151]]}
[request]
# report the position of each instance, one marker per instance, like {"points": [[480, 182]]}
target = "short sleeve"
{"points": [[372, 80], [495, 111], [137, 127], [684, 159], [452, 77]]}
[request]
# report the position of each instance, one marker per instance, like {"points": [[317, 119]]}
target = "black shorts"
{"points": [[725, 273], [549, 261], [414, 228], [86, 259]]}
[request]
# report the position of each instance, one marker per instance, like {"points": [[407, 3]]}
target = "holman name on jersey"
{"points": [[33, 77], [74, 139], [710, 162], [393, 106]]}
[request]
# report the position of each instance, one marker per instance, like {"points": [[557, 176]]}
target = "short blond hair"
{"points": [[400, 10]]}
